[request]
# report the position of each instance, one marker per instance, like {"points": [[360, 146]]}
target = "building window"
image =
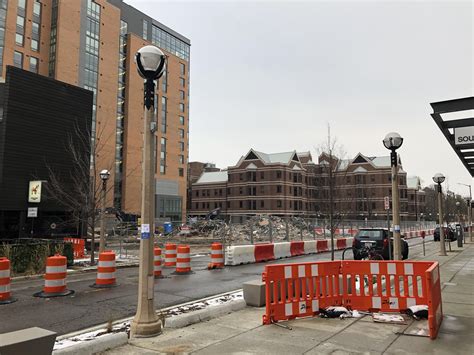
{"points": [[145, 29], [278, 174], [181, 133], [169, 43], [34, 64], [18, 59], [180, 171], [182, 82], [34, 45], [181, 107], [262, 203], [241, 204], [278, 188], [181, 159], [22, 4], [181, 120], [19, 39], [37, 8], [164, 106], [262, 175], [164, 81], [181, 146], [182, 69], [181, 94], [279, 203]]}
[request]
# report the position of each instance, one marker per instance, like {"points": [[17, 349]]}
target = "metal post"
{"points": [[251, 232], [389, 238], [423, 242], [146, 323], [314, 230], [470, 213], [397, 251], [442, 246], [287, 231], [102, 219], [270, 229]]}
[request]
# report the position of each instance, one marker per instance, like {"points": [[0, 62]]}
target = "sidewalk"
{"points": [[242, 332]]}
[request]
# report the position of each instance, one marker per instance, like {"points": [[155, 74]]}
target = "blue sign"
{"points": [[145, 235]]}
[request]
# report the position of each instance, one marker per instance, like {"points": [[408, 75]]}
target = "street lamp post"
{"points": [[104, 176], [439, 179], [469, 211], [393, 141], [151, 64]]}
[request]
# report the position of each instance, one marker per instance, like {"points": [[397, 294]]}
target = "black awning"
{"points": [[464, 146]]}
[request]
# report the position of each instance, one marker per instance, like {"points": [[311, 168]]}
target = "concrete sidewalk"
{"points": [[242, 332]]}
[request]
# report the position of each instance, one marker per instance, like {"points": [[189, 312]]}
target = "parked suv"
{"points": [[375, 239], [449, 233]]}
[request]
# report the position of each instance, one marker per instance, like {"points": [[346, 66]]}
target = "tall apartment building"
{"points": [[290, 183], [91, 44]]}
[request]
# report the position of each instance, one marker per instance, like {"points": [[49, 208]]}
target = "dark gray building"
{"points": [[39, 119]]}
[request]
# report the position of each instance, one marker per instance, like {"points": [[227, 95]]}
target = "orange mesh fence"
{"points": [[300, 290]]}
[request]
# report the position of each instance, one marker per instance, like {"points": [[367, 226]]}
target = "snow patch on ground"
{"points": [[124, 326]]}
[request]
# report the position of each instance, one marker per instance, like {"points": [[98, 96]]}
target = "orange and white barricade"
{"points": [[300, 290], [183, 260], [5, 280], [55, 278], [157, 262], [217, 256], [170, 255], [106, 270]]}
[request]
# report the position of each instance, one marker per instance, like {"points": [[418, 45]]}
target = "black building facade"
{"points": [[39, 118]]}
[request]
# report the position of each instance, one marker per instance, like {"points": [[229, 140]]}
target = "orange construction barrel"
{"points": [[55, 278]]}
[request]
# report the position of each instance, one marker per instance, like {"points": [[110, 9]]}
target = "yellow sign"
{"points": [[139, 221], [34, 192]]}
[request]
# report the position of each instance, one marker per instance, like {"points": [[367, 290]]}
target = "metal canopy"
{"points": [[464, 151]]}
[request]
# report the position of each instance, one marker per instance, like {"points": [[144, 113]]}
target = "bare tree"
{"points": [[335, 200], [78, 190]]}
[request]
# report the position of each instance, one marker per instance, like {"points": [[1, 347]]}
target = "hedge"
{"points": [[28, 256]]}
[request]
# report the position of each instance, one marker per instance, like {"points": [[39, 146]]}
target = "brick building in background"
{"points": [[91, 44], [291, 184]]}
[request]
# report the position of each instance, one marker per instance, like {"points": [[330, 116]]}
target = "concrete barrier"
{"points": [[282, 250]]}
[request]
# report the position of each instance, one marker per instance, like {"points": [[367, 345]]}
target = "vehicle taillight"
{"points": [[385, 242]]}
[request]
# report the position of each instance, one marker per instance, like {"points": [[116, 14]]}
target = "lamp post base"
{"points": [[145, 330]]}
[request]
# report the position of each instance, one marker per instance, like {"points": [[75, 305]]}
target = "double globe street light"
{"points": [[393, 141], [151, 64], [439, 179]]}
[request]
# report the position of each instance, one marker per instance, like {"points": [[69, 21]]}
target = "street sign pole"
{"points": [[386, 201]]}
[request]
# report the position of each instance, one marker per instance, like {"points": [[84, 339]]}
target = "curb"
{"points": [[202, 315], [103, 343]]}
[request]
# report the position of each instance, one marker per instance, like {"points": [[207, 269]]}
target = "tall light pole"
{"points": [[469, 210], [151, 64], [439, 179], [393, 141], [104, 176]]}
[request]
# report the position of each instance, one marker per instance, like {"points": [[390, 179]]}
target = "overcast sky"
{"points": [[270, 75]]}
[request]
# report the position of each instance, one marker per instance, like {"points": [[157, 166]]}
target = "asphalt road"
{"points": [[88, 306]]}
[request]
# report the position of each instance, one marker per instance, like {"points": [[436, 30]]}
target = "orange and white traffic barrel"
{"points": [[183, 260], [157, 262], [170, 255], [217, 256], [106, 270], [5, 280], [55, 278]]}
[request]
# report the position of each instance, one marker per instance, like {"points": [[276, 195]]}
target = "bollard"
{"points": [[5, 280], [287, 230], [183, 260], [270, 229], [106, 270], [157, 263], [55, 278], [217, 256], [170, 255]]}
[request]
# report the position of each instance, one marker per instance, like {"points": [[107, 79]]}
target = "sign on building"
{"points": [[463, 135], [386, 203], [34, 192], [32, 212]]}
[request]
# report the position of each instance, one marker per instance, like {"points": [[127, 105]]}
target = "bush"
{"points": [[28, 256]]}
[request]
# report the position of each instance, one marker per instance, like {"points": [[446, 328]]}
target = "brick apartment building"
{"points": [[290, 183], [91, 44]]}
